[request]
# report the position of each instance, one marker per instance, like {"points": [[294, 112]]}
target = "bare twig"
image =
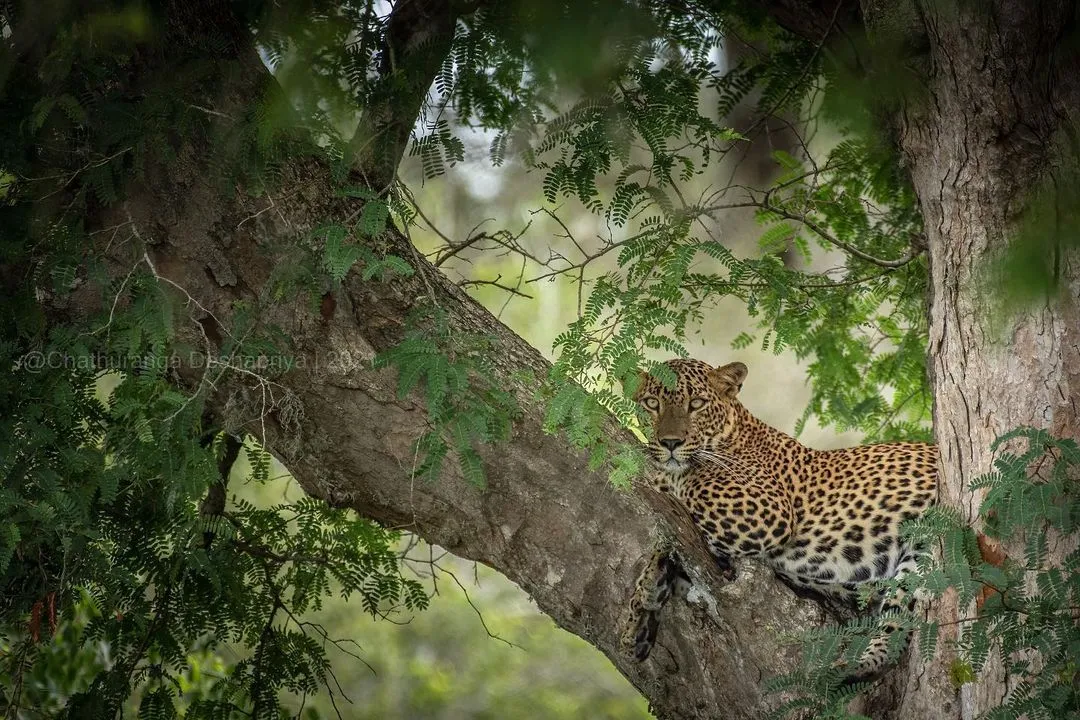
{"points": [[475, 609], [495, 283]]}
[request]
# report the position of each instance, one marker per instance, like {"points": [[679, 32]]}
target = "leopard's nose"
{"points": [[671, 443]]}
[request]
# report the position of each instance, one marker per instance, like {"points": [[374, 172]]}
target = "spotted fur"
{"points": [[825, 520]]}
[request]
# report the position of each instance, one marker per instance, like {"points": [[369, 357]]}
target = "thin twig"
{"points": [[495, 283], [476, 609]]}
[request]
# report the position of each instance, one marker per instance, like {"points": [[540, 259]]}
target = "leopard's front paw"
{"points": [[639, 634], [723, 561], [661, 578]]}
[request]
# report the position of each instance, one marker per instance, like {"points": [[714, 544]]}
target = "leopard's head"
{"points": [[695, 417]]}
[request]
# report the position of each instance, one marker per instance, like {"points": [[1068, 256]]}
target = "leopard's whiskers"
{"points": [[732, 464]]}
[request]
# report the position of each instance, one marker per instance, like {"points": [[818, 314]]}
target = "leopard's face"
{"points": [[695, 417]]}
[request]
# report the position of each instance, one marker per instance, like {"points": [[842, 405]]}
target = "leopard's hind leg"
{"points": [[876, 659]]}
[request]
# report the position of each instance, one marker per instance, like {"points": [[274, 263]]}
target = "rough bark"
{"points": [[1001, 85], [544, 520]]}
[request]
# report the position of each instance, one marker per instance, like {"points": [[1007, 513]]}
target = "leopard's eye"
{"points": [[697, 403], [651, 403]]}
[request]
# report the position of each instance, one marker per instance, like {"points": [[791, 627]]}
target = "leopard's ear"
{"points": [[728, 379], [637, 384]]}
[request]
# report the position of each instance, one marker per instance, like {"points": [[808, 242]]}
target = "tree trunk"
{"points": [[1002, 83], [755, 166], [1001, 86], [547, 522]]}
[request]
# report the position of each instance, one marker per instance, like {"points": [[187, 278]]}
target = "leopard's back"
{"points": [[849, 506]]}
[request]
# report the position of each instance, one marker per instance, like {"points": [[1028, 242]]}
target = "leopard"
{"points": [[826, 521]]}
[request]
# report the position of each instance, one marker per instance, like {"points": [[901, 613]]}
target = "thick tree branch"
{"points": [[809, 19], [418, 37]]}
